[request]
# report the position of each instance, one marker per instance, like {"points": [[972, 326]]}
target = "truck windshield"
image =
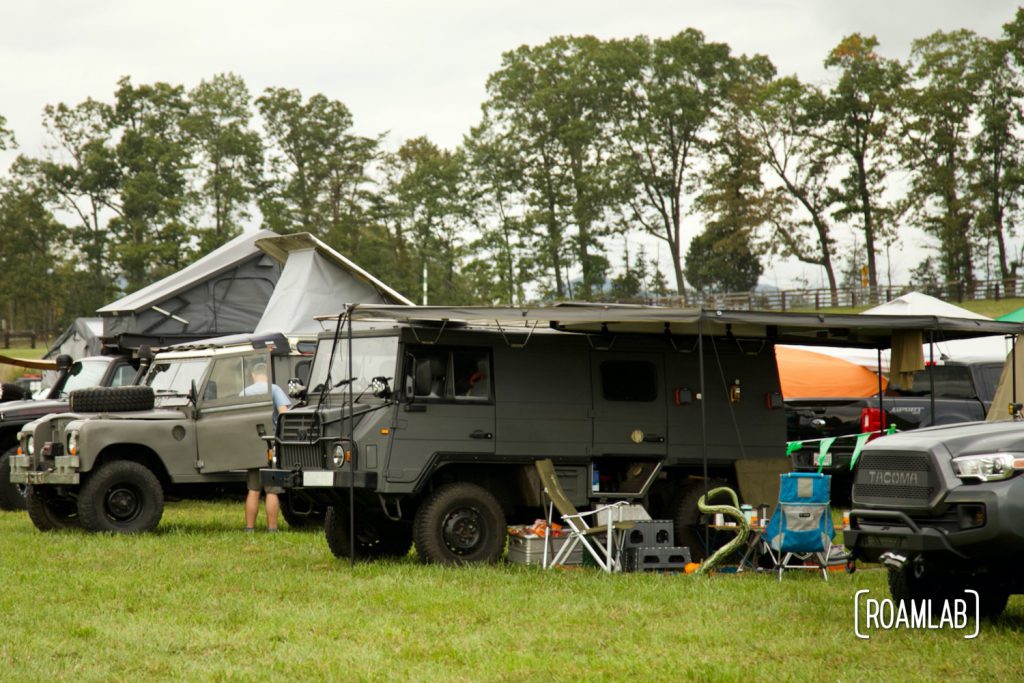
{"points": [[371, 357], [175, 377], [84, 374]]}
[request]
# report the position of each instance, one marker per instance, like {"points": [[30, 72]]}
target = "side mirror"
{"points": [[410, 391], [193, 394]]}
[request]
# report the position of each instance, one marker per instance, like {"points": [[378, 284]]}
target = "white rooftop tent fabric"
{"points": [[916, 303], [316, 280]]}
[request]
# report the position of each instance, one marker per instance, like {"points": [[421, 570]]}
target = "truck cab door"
{"points": [[232, 407], [629, 403], [447, 409]]}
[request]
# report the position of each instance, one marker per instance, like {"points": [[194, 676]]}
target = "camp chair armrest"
{"points": [[600, 508]]}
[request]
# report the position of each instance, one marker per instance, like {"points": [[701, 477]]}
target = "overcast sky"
{"points": [[410, 67]]}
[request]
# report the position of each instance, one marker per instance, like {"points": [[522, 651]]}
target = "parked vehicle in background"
{"points": [[96, 371], [941, 508], [963, 393], [108, 463]]}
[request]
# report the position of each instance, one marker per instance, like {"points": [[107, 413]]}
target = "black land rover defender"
{"points": [[942, 509]]}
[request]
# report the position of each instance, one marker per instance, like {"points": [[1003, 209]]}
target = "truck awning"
{"points": [[812, 329]]}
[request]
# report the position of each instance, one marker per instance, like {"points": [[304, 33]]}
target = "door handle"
{"points": [[480, 434], [654, 438]]}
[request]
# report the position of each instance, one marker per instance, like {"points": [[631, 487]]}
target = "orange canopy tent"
{"points": [[805, 374]]}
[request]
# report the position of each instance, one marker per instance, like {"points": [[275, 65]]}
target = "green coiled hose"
{"points": [[742, 527]]}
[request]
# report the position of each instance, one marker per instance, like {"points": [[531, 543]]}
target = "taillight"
{"points": [[872, 419]]}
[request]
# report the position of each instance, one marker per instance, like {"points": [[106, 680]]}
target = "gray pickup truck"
{"points": [[941, 508], [95, 371], [191, 424]]}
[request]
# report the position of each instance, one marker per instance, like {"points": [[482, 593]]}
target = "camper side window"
{"points": [[628, 380], [452, 375]]}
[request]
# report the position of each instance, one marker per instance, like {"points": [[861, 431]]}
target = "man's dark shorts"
{"points": [[252, 481]]}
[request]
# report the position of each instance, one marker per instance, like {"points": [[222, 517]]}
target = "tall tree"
{"points": [[780, 117], [997, 146], [78, 175], [30, 243], [502, 262], [665, 115], [860, 125], [7, 140], [153, 157], [938, 113], [319, 170], [230, 156], [552, 103]]}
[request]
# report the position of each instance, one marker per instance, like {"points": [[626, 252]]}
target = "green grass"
{"points": [[199, 600]]}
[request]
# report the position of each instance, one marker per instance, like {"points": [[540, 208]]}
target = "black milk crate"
{"points": [[657, 559], [650, 533]]}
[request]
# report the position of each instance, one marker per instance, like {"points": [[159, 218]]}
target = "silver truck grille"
{"points": [[894, 477]]}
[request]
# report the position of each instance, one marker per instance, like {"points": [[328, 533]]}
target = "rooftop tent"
{"points": [[916, 303], [316, 280], [225, 292], [807, 374], [81, 339]]}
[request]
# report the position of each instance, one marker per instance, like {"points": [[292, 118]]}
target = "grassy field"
{"points": [[199, 600]]}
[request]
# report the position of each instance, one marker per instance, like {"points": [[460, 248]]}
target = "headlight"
{"points": [[73, 442], [988, 466], [338, 455], [30, 446]]}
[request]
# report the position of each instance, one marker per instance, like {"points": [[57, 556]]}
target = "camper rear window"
{"points": [[629, 380]]}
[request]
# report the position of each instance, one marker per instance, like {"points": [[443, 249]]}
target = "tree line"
{"points": [[581, 143]]}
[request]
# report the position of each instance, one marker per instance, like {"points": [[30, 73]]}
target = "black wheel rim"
{"points": [[463, 530], [122, 503]]}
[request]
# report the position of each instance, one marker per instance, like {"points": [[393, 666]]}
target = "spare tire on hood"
{"points": [[111, 399]]}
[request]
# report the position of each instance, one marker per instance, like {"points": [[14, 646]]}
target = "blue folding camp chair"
{"points": [[801, 528]]}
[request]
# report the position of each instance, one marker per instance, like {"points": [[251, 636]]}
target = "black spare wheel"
{"points": [[111, 399]]}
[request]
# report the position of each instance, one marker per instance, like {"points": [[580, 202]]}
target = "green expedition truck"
{"points": [[448, 420]]}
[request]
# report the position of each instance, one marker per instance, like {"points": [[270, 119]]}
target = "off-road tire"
{"points": [[376, 535], [686, 517], [460, 523], [300, 512], [111, 399], [906, 585], [50, 512], [121, 497], [12, 496]]}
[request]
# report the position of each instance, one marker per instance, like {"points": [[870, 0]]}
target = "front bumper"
{"points": [[64, 471], [311, 480]]}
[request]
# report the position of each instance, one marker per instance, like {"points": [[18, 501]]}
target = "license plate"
{"points": [[318, 478]]}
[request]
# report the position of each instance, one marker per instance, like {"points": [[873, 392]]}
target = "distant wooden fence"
{"points": [[32, 337]]}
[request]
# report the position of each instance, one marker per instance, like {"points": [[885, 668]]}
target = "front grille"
{"points": [[301, 455], [298, 428], [894, 478]]}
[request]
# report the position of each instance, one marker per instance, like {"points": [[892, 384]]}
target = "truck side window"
{"points": [[629, 380], [123, 376], [450, 375], [231, 381]]}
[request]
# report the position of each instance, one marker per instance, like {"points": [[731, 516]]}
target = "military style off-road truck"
{"points": [[94, 371], [194, 421], [449, 420], [942, 508]]}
